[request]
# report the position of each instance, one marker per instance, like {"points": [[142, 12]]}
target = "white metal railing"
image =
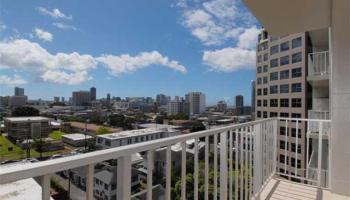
{"points": [[244, 159], [318, 63]]}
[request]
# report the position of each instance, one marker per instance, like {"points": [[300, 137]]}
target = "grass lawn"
{"points": [[56, 135], [17, 153]]}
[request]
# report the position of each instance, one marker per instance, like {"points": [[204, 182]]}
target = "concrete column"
{"points": [[340, 97]]}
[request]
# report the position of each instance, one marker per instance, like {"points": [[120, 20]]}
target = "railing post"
{"points": [[223, 166], [150, 166], [124, 178], [183, 170], [257, 177], [90, 182], [319, 164], [45, 187]]}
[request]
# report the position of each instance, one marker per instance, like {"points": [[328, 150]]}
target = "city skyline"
{"points": [[144, 57]]}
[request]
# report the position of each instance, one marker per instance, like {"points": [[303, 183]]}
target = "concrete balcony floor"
{"points": [[281, 189]]}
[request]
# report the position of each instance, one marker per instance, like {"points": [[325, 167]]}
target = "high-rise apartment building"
{"points": [[92, 94], [161, 99], [239, 103], [80, 98], [287, 86], [177, 106], [56, 99], [196, 102], [19, 91]]}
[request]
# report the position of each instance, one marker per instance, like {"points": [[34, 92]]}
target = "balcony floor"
{"points": [[280, 189]]}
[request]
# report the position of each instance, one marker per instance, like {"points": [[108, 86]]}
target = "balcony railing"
{"points": [[242, 157], [318, 63]]}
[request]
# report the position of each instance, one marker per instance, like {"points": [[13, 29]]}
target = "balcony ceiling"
{"points": [[282, 17]]}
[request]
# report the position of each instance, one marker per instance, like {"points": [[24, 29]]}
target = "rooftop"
{"points": [[22, 119], [154, 125], [133, 133], [77, 136]]}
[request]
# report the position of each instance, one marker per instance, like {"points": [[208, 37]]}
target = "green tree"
{"points": [[102, 130], [25, 111]]}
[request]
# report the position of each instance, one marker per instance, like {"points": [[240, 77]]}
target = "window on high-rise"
{"points": [[265, 79], [296, 72], [266, 57], [296, 42], [293, 162], [296, 57], [259, 59], [282, 158], [283, 114], [273, 76], [273, 89], [258, 103], [283, 144], [259, 69], [273, 102], [265, 114], [293, 149], [266, 68], [258, 92], [265, 91], [265, 103], [258, 80], [284, 46], [284, 88], [274, 63], [284, 60], [273, 114], [296, 115], [296, 102], [258, 114], [284, 103], [296, 87], [283, 130], [274, 49], [284, 74]]}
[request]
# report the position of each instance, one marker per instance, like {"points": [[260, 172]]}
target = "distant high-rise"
{"points": [[162, 99], [239, 104], [56, 99], [108, 98], [19, 91], [62, 99], [92, 94], [177, 106], [196, 102], [253, 100], [221, 106], [80, 98]]}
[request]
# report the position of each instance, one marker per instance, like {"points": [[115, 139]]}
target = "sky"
{"points": [[128, 48]]}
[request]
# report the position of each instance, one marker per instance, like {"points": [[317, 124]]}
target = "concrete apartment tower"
{"points": [[92, 94], [19, 91], [292, 82], [239, 103], [196, 102]]}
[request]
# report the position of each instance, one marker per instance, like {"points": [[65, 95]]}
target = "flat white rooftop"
{"points": [[133, 133], [24, 119], [77, 136], [154, 125]]}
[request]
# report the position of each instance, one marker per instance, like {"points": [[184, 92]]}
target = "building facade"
{"points": [[19, 91], [196, 102], [221, 106], [80, 98], [92, 94], [239, 104], [23, 128]]}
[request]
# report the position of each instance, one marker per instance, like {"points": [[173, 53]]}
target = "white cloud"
{"points": [[73, 68], [214, 22], [62, 77], [54, 13], [229, 59], [127, 64], [249, 38], [15, 80], [2, 26], [25, 55], [64, 26], [43, 35]]}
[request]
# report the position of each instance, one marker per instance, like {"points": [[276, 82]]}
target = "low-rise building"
{"points": [[23, 128], [76, 139], [133, 136]]}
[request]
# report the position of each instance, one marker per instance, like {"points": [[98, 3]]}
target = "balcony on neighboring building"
{"points": [[232, 162], [318, 68]]}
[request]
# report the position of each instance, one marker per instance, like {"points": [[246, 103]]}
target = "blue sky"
{"points": [[127, 48]]}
